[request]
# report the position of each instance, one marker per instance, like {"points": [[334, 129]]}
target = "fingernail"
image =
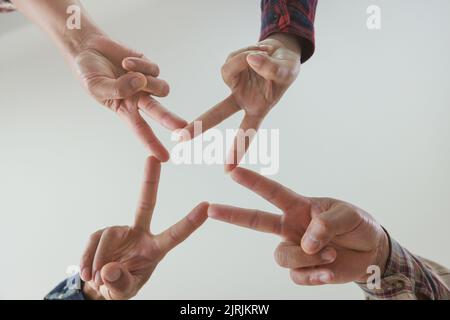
{"points": [[98, 278], [311, 243], [165, 89], [130, 63], [265, 47], [255, 59], [114, 275], [324, 277], [136, 83], [85, 273], [328, 255]]}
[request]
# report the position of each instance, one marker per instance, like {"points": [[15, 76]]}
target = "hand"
{"points": [[258, 76], [118, 261], [114, 75], [325, 241], [123, 80]]}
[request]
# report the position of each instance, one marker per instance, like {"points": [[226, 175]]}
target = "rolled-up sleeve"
{"points": [[294, 17]]}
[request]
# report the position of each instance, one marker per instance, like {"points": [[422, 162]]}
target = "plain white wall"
{"points": [[367, 121]]}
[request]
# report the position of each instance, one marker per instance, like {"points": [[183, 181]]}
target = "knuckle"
{"points": [[225, 71], [174, 235], [150, 104], [111, 232], [139, 124], [191, 224], [277, 228], [280, 256], [353, 213], [273, 193], [254, 222], [94, 236], [147, 206]]}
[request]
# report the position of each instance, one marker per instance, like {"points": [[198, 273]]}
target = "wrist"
{"points": [[381, 255], [72, 42], [289, 41], [383, 252]]}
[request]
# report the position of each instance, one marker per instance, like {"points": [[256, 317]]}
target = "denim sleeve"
{"points": [[69, 289]]}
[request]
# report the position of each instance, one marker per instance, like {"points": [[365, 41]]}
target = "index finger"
{"points": [[180, 231], [272, 191], [145, 133], [211, 118], [155, 110], [248, 218], [244, 137], [149, 192]]}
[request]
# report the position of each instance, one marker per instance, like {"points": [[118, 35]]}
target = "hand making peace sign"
{"points": [[325, 241], [118, 261], [123, 81], [258, 76]]}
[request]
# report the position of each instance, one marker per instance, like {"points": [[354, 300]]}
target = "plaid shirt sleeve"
{"points": [[409, 277], [295, 17], [6, 6]]}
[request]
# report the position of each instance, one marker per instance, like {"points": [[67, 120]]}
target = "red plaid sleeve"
{"points": [[408, 276], [295, 17]]}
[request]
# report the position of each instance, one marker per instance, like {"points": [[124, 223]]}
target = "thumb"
{"points": [[121, 88], [270, 68], [118, 282]]}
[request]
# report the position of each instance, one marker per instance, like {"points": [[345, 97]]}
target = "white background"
{"points": [[367, 121]]}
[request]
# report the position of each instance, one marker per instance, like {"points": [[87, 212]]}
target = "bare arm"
{"points": [[119, 78], [51, 16]]}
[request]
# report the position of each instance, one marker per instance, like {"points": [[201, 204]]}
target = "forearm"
{"points": [[51, 16]]}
